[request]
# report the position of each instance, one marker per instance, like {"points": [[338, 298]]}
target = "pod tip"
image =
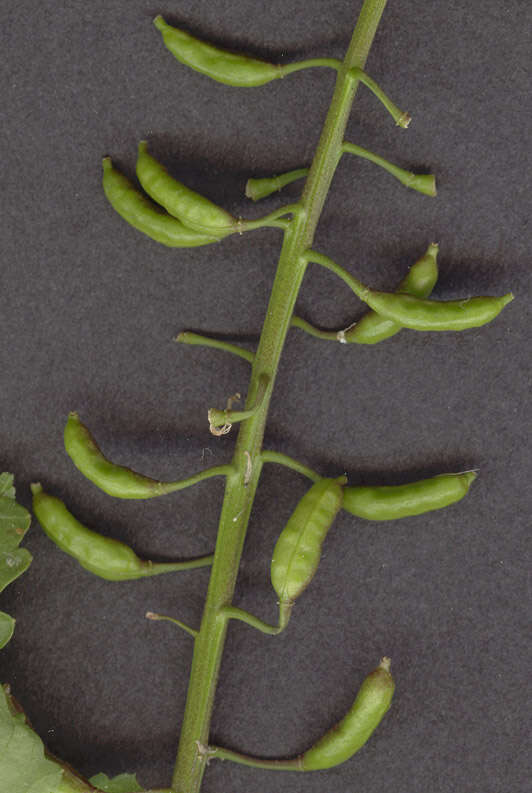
{"points": [[36, 488], [159, 22], [341, 337], [250, 190], [404, 120], [107, 164], [386, 663], [143, 146], [508, 298]]}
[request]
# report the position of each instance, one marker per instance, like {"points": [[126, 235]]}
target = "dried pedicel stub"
{"points": [[298, 550]]}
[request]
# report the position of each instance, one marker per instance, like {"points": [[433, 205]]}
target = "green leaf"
{"points": [[6, 485], [123, 783], [23, 766], [14, 523], [13, 564], [7, 626]]}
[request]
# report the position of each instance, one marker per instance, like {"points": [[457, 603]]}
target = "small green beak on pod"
{"points": [[351, 733], [298, 550]]}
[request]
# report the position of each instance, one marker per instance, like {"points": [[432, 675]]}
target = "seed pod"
{"points": [[298, 550], [416, 314], [143, 215], [100, 555], [103, 556], [351, 733], [221, 65], [401, 501], [419, 281], [191, 208], [116, 480]]}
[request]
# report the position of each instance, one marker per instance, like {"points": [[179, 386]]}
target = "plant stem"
{"points": [[283, 459], [242, 482], [218, 753]]}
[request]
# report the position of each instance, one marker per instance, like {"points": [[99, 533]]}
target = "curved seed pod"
{"points": [[221, 65], [100, 555], [417, 314], [419, 282], [297, 552], [351, 733], [401, 501], [116, 480], [191, 208], [140, 213], [103, 556]]}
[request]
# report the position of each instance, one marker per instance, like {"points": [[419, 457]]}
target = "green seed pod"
{"points": [[100, 555], [402, 501], [143, 215], [298, 550], [191, 208], [417, 314], [351, 733], [419, 282], [116, 480], [221, 65]]}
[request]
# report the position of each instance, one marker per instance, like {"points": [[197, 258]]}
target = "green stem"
{"points": [[283, 459], [285, 610], [242, 482], [353, 283], [156, 568], [261, 188], [272, 220], [219, 753], [151, 615], [331, 63], [187, 337], [422, 182], [302, 324], [216, 470], [401, 118]]}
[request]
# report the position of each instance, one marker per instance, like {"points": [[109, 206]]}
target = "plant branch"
{"points": [[241, 483]]}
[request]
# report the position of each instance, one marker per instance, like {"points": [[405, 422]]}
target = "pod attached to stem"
{"points": [[227, 67], [117, 480], [102, 556]]}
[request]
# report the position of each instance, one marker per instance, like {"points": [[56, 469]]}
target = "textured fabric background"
{"points": [[89, 308]]}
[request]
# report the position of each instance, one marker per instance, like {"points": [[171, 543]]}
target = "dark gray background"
{"points": [[88, 311]]}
